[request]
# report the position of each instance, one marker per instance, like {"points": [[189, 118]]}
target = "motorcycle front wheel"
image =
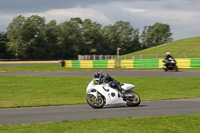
{"points": [[94, 102], [135, 100]]}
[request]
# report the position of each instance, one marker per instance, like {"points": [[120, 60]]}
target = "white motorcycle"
{"points": [[100, 94]]}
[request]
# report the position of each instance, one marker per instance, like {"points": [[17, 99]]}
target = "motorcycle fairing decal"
{"points": [[109, 95], [107, 90], [119, 95], [113, 94]]}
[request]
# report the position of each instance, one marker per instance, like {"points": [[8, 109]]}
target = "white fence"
{"points": [[96, 57]]}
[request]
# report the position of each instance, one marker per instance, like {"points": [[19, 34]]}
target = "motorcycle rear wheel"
{"points": [[176, 68], [95, 103], [165, 69], [133, 101]]}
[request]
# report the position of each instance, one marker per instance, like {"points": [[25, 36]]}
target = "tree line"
{"points": [[32, 38]]}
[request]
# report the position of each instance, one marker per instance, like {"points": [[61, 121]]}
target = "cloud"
{"points": [[60, 15], [65, 14], [175, 17], [183, 16], [134, 10], [5, 19]]}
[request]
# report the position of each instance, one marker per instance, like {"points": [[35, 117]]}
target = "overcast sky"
{"points": [[183, 16]]}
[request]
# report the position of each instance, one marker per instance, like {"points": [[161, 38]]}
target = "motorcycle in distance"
{"points": [[171, 66], [100, 94]]}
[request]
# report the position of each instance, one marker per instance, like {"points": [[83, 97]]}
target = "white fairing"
{"points": [[127, 87], [111, 95]]}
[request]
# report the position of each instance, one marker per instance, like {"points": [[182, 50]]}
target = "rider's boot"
{"points": [[164, 66]]}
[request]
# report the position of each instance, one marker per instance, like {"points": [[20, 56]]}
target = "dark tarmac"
{"points": [[114, 73], [85, 112]]}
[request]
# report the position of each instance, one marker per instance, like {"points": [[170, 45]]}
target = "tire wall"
{"points": [[90, 63], [137, 63]]}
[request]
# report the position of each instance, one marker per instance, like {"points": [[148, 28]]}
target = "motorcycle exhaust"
{"points": [[128, 96]]}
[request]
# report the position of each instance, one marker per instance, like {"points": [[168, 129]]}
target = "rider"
{"points": [[111, 81], [167, 59], [106, 78], [98, 74]]}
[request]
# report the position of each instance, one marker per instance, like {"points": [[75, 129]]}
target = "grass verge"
{"points": [[178, 48], [159, 124], [57, 68], [22, 91]]}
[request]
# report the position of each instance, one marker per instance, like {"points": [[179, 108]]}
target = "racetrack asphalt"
{"points": [[85, 112], [114, 73]]}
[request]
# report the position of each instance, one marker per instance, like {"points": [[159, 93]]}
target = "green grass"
{"points": [[34, 68], [57, 68], [49, 68], [19, 91], [159, 124], [22, 91], [190, 46]]}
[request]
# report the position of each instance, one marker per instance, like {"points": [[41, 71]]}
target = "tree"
{"points": [[155, 35], [49, 34], [69, 38], [14, 34], [3, 41], [33, 38], [90, 36], [122, 35], [25, 38]]}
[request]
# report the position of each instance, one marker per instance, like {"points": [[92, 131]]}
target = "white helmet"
{"points": [[168, 53]]}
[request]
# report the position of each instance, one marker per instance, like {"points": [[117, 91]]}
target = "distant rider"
{"points": [[167, 59]]}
